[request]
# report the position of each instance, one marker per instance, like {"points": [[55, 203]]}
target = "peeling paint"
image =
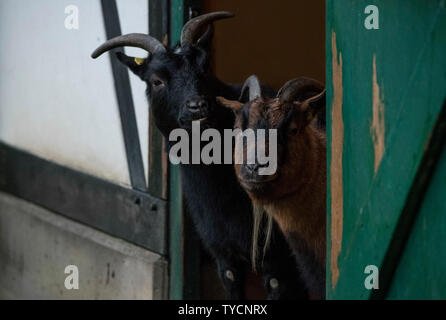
{"points": [[337, 143], [378, 125]]}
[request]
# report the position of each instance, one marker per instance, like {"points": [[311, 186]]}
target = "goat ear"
{"points": [[136, 65], [234, 105], [314, 106]]}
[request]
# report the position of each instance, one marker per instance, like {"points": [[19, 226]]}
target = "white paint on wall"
{"points": [[57, 102]]}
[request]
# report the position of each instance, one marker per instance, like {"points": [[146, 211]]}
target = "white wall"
{"points": [[57, 102]]}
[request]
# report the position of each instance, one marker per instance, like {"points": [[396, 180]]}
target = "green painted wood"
{"points": [[184, 244], [157, 175], [421, 272], [414, 202], [176, 20], [175, 235], [175, 197], [409, 51]]}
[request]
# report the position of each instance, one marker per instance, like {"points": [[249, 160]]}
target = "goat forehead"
{"points": [[277, 112], [254, 112], [188, 56], [181, 75], [163, 66], [173, 61], [266, 114]]}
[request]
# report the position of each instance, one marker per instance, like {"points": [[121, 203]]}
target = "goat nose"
{"points": [[195, 105], [253, 167]]}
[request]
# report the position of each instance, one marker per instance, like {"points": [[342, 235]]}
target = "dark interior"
{"points": [[277, 41]]}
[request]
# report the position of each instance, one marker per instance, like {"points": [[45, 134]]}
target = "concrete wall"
{"points": [[36, 246]]}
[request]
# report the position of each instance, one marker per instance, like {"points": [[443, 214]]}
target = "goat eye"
{"points": [[292, 131], [156, 82]]}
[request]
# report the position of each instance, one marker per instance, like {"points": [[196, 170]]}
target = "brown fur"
{"points": [[300, 203], [296, 194]]}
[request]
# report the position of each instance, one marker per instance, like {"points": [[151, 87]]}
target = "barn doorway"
{"points": [[277, 41]]}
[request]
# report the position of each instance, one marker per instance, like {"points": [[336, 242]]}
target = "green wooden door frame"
{"points": [[164, 179], [184, 245], [385, 95], [158, 164]]}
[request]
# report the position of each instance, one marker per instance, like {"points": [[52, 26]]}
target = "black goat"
{"points": [[181, 88]]}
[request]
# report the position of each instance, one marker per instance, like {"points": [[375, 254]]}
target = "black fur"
{"points": [[221, 210]]}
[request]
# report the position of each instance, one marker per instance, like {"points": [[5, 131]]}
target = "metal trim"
{"points": [[128, 214], [125, 100]]}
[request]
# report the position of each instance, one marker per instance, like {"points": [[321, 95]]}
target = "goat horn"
{"points": [[315, 102], [295, 88], [207, 34], [193, 26], [137, 40], [253, 85]]}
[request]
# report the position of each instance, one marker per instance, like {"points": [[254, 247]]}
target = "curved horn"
{"points": [[253, 85], [207, 35], [299, 88], [137, 40], [193, 26]]}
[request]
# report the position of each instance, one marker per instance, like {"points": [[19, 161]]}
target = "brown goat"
{"points": [[295, 195]]}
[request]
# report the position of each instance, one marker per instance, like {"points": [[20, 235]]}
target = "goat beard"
{"points": [[258, 215]]}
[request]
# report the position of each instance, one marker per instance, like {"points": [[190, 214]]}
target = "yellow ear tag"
{"points": [[139, 61]]}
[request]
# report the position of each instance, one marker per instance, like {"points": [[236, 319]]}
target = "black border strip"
{"points": [[418, 189], [128, 214], [125, 100]]}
